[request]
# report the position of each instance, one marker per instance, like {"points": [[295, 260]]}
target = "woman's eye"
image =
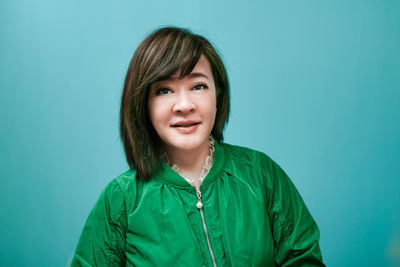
{"points": [[163, 91], [200, 86]]}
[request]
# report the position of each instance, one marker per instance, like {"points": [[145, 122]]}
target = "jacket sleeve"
{"points": [[102, 241], [295, 233]]}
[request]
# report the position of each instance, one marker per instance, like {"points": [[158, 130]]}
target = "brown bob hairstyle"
{"points": [[163, 53]]}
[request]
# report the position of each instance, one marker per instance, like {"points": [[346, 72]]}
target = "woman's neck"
{"points": [[190, 163]]}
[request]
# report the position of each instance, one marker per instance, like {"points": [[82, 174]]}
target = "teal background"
{"points": [[315, 85]]}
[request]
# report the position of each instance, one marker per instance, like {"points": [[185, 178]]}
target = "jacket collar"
{"points": [[164, 174]]}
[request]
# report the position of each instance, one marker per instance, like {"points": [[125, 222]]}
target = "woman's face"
{"points": [[183, 111]]}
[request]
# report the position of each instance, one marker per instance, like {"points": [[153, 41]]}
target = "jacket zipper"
{"points": [[199, 205]]}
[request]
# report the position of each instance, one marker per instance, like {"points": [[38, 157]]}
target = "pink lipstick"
{"points": [[186, 127]]}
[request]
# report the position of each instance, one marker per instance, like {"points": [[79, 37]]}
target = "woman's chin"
{"points": [[187, 146]]}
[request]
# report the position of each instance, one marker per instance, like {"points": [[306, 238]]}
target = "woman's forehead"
{"points": [[202, 69]]}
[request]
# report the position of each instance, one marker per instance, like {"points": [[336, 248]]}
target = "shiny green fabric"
{"points": [[253, 213]]}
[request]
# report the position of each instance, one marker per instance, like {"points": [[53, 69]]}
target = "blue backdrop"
{"points": [[315, 85]]}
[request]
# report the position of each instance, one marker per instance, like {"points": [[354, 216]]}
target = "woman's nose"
{"points": [[184, 103]]}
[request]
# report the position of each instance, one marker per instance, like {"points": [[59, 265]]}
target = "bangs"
{"points": [[174, 52]]}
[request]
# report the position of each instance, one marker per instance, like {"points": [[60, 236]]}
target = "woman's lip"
{"points": [[186, 129], [185, 123]]}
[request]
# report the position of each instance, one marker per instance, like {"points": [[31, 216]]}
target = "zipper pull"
{"points": [[199, 205]]}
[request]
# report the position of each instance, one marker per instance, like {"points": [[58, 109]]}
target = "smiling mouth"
{"points": [[185, 124]]}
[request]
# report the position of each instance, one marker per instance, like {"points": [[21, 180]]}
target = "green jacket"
{"points": [[253, 216]]}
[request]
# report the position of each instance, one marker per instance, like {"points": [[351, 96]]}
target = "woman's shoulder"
{"points": [[120, 188], [245, 154], [240, 159], [126, 180]]}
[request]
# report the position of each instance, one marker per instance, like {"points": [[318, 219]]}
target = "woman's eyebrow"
{"points": [[190, 76], [197, 74]]}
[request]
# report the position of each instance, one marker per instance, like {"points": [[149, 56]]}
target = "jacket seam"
{"points": [[112, 249], [281, 219]]}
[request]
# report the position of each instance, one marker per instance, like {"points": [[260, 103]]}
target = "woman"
{"points": [[189, 199]]}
